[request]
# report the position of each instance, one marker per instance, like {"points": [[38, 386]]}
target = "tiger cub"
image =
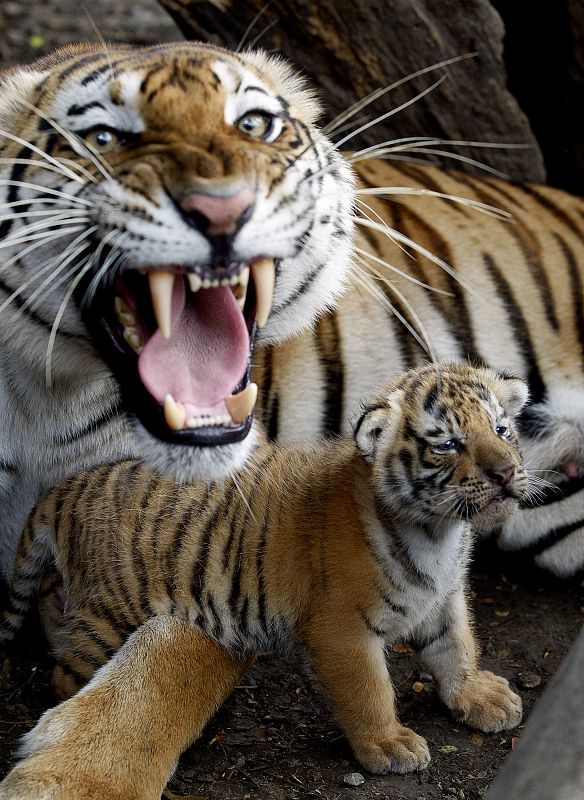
{"points": [[344, 547]]}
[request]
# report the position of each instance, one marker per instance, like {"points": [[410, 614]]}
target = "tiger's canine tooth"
{"points": [[174, 413], [241, 405], [161, 285], [194, 282], [264, 274]]}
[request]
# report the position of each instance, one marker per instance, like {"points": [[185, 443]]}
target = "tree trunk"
{"points": [[349, 49]]}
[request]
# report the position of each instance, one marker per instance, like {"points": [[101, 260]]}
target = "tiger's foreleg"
{"points": [[350, 663], [120, 737], [448, 649]]}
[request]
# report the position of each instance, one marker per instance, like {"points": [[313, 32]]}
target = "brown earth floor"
{"points": [[276, 738]]}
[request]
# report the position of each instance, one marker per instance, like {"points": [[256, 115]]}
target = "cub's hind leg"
{"points": [[87, 642], [350, 663], [448, 648], [119, 738]]}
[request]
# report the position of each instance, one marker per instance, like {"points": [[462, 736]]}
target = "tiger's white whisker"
{"points": [[476, 205], [38, 164], [405, 275], [59, 316], [27, 214], [459, 157], [421, 250], [91, 289], [41, 269], [362, 276], [54, 220], [45, 190], [252, 25], [53, 280], [46, 236], [390, 113], [39, 151], [31, 248], [76, 142], [388, 229], [378, 93]]}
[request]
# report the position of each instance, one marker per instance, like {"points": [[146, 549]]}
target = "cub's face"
{"points": [[185, 205], [443, 444]]}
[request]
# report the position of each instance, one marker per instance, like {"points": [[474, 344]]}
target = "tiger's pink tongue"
{"points": [[206, 355]]}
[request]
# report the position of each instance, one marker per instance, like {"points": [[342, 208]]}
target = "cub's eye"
{"points": [[258, 125], [104, 140], [502, 430], [446, 447]]}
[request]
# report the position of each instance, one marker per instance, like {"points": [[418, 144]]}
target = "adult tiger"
{"points": [[139, 189], [147, 158]]}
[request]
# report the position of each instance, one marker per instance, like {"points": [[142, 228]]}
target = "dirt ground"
{"points": [[276, 737]]}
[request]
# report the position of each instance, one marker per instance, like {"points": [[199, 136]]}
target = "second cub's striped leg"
{"points": [[120, 737], [351, 666], [478, 697]]}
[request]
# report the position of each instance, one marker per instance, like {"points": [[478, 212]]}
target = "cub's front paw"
{"points": [[486, 702], [400, 750]]}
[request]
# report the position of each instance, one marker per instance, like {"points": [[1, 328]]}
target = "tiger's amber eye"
{"points": [[256, 124], [104, 141]]}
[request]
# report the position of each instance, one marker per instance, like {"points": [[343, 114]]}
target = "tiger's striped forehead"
{"points": [[187, 86]]}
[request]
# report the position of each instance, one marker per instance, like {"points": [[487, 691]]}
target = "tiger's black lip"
{"points": [[104, 329]]}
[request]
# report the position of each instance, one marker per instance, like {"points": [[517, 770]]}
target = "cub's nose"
{"points": [[501, 475], [217, 216]]}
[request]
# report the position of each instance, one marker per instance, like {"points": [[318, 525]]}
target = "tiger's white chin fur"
{"points": [[191, 463]]}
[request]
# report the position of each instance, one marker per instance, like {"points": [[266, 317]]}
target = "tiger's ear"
{"points": [[377, 420], [16, 85], [513, 393]]}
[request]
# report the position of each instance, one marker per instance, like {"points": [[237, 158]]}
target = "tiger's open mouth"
{"points": [[180, 340]]}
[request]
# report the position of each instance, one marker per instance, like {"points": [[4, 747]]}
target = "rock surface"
{"points": [[351, 49]]}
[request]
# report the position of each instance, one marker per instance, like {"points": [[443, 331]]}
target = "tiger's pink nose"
{"points": [[218, 216]]}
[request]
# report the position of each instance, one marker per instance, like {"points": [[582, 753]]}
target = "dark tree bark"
{"points": [[349, 49]]}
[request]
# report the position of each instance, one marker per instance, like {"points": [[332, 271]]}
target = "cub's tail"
{"points": [[34, 558]]}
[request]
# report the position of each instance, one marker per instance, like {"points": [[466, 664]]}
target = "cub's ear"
{"points": [[512, 392], [377, 419]]}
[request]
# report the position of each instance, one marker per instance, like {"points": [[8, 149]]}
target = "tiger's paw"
{"points": [[32, 781], [401, 751], [486, 702], [65, 757]]}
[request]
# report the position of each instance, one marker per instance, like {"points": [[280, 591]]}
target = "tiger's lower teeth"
{"points": [[201, 422]]}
